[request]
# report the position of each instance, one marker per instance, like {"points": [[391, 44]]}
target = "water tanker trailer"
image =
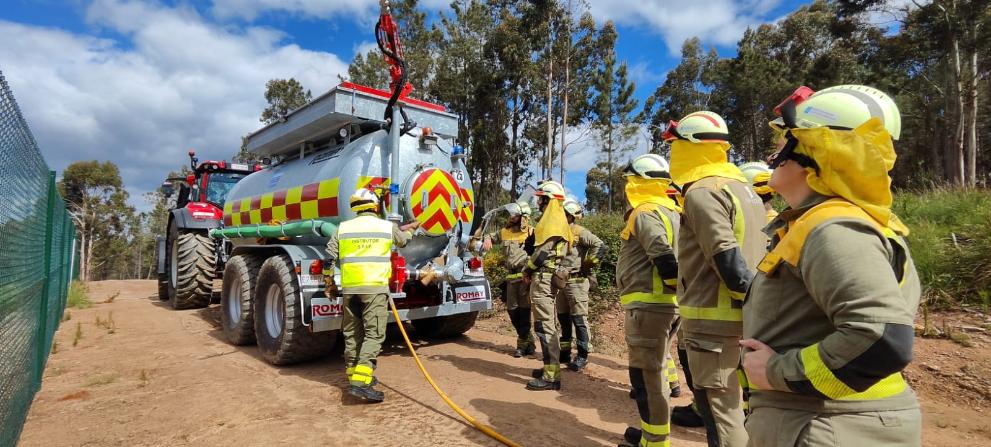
{"points": [[279, 218]]}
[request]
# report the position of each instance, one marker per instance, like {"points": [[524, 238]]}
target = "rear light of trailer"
{"points": [[316, 267]]}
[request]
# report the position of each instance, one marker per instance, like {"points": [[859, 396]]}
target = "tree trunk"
{"points": [[609, 179], [971, 123], [515, 150], [567, 90], [549, 152], [83, 259], [955, 159]]}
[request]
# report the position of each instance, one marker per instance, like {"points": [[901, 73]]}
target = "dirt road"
{"points": [[153, 376]]}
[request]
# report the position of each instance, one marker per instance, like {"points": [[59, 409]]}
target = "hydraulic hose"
{"points": [[489, 431]]}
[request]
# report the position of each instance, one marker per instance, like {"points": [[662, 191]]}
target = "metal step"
{"points": [[345, 104]]}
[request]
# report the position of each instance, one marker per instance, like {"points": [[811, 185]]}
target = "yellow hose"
{"points": [[478, 425]]}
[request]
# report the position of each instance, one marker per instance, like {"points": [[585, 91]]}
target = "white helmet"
{"points": [[518, 209], [363, 200], [751, 169], [572, 207], [697, 127], [841, 107], [649, 166], [550, 188]]}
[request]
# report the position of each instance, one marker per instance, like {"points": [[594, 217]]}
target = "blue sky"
{"points": [[142, 82]]}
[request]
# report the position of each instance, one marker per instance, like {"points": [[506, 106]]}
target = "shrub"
{"points": [[951, 243], [78, 295]]}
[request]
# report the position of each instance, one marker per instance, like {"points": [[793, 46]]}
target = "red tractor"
{"points": [[188, 259]]}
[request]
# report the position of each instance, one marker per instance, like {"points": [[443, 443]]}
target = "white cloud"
{"points": [[362, 11], [364, 47], [175, 82], [719, 22]]}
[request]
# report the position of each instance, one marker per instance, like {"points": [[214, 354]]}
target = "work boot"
{"points": [[676, 391], [632, 435], [539, 384], [565, 357], [579, 364], [537, 373], [530, 350], [519, 352], [686, 416], [366, 393]]}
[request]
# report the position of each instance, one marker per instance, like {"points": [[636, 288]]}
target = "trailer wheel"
{"points": [[282, 338], [447, 326], [190, 263], [236, 300]]}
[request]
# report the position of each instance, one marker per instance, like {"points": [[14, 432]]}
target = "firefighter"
{"points": [[572, 301], [758, 174], [719, 246], [543, 272], [362, 247], [829, 319], [646, 275], [512, 237]]}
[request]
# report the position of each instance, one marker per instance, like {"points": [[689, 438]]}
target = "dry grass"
{"points": [[103, 379], [79, 334]]}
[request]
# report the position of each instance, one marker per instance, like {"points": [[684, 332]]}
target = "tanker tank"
{"points": [[312, 178]]}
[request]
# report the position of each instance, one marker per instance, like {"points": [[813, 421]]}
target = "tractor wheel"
{"points": [[282, 338], [191, 265], [447, 326], [163, 287], [237, 299]]}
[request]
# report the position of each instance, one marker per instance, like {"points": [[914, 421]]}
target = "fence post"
{"points": [[42, 335]]}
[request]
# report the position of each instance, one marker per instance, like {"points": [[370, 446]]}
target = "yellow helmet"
{"points": [[363, 200], [698, 127], [572, 207], [842, 107], [550, 188], [648, 166]]}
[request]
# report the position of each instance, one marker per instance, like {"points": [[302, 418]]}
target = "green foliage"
{"points": [[283, 96], [950, 243], [78, 297]]}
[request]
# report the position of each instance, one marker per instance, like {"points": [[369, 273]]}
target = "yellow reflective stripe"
{"points": [[348, 371], [514, 276], [649, 298], [710, 313], [825, 381], [362, 374], [646, 443], [656, 429], [552, 372], [739, 223], [672, 371]]}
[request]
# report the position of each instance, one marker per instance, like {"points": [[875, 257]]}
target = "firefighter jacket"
{"points": [[512, 240], [585, 253], [646, 267], [836, 298], [719, 245]]}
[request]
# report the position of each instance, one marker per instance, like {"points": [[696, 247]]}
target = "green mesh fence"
{"points": [[37, 239]]}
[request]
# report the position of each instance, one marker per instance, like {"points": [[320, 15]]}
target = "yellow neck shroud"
{"points": [[691, 162], [553, 223], [854, 165]]}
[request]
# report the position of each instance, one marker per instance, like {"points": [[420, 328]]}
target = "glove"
{"points": [[410, 226], [330, 288]]}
